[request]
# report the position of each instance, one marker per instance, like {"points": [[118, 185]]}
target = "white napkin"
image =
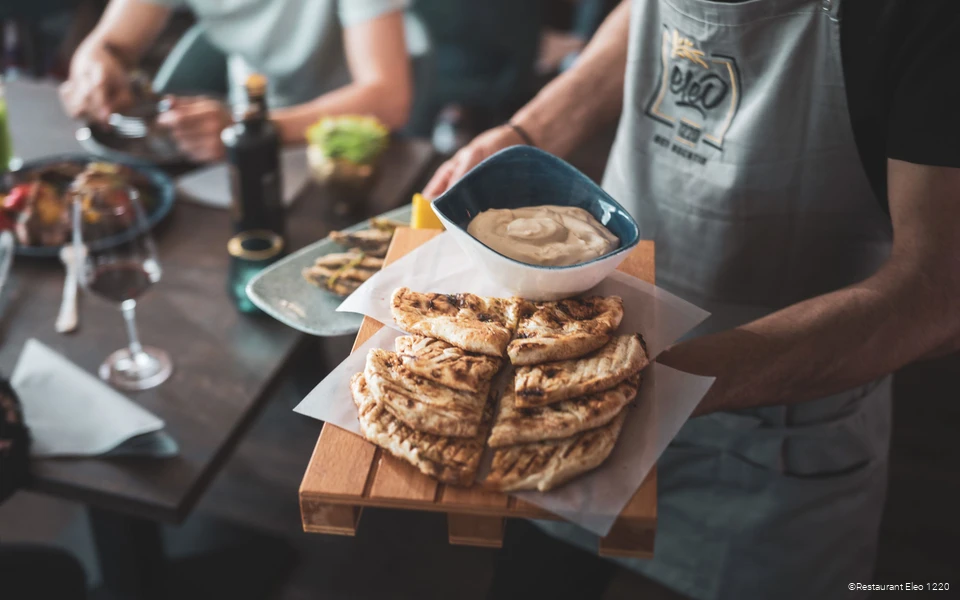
{"points": [[72, 413], [210, 186]]}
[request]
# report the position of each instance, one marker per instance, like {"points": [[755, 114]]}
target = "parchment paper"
{"points": [[666, 398]]}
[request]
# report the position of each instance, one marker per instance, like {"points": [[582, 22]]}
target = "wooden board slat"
{"points": [[398, 480], [629, 539], [335, 519], [339, 465], [471, 530], [395, 479], [474, 516], [643, 505], [453, 496], [522, 507], [640, 262]]}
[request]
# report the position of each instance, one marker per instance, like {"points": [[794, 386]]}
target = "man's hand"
{"points": [[482, 146], [98, 85], [195, 123]]}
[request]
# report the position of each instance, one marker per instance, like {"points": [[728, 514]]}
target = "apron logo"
{"points": [[697, 95]]}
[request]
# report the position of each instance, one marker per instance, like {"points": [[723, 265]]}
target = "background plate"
{"points": [[158, 199], [281, 291], [147, 151]]}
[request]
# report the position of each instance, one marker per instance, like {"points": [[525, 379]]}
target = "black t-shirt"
{"points": [[901, 63]]}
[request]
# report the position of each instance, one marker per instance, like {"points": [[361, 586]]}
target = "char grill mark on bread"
{"points": [[420, 403], [470, 322], [546, 465], [552, 331], [600, 370], [450, 460], [446, 364], [515, 425]]}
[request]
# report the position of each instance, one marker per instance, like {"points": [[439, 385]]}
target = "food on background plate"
{"points": [[473, 323], [539, 385], [42, 214], [447, 365], [453, 460], [372, 241], [515, 425], [343, 272], [544, 235], [421, 403], [551, 331], [38, 209], [547, 464]]}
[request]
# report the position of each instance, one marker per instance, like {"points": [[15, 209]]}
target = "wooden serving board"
{"points": [[347, 473]]}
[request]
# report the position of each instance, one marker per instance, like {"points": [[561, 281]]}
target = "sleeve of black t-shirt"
{"points": [[924, 118]]}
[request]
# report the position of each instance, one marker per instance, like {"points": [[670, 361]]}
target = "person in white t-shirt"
{"points": [[321, 57]]}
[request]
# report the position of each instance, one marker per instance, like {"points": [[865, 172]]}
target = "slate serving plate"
{"points": [[281, 291]]}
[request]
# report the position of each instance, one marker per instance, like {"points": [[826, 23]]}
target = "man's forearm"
{"points": [[387, 103], [590, 94], [126, 29], [823, 345]]}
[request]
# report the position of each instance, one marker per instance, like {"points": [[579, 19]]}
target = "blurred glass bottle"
{"points": [[252, 145], [6, 144], [250, 252]]}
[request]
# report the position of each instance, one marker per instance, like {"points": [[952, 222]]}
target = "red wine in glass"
{"points": [[119, 263], [120, 282]]}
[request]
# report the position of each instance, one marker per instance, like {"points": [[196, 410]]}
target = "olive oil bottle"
{"points": [[252, 145]]}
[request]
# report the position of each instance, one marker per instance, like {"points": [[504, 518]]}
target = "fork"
{"points": [[129, 126], [72, 257]]}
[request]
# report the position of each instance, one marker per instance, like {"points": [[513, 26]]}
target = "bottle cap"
{"points": [[258, 244], [256, 84]]}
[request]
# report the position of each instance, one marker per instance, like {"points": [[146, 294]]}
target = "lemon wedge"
{"points": [[423, 216]]}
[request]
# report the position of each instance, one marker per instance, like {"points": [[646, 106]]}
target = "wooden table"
{"points": [[224, 362], [347, 473]]}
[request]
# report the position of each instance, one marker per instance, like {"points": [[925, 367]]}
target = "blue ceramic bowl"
{"points": [[523, 176]]}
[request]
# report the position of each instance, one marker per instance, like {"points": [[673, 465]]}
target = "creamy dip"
{"points": [[543, 235]]}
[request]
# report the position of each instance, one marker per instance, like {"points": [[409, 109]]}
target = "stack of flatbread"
{"points": [[569, 376]]}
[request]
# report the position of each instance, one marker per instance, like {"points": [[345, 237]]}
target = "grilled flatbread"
{"points": [[373, 241], [622, 357], [447, 365], [545, 465], [551, 331], [469, 322], [343, 272], [515, 425], [450, 460], [359, 260], [420, 403]]}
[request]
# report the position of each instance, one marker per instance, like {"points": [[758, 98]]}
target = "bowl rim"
{"points": [[485, 164]]}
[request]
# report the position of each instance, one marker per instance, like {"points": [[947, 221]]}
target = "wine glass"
{"points": [[117, 261]]}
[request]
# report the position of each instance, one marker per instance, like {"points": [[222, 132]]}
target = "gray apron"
{"points": [[736, 155]]}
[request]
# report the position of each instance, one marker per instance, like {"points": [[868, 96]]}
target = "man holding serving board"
{"points": [[754, 141]]}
